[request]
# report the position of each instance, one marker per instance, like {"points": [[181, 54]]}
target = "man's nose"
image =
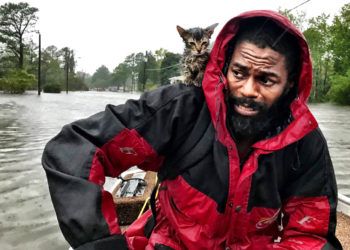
{"points": [[249, 88]]}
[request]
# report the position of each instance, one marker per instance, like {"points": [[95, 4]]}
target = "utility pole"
{"points": [[67, 68], [67, 74], [39, 66], [133, 73], [144, 72]]}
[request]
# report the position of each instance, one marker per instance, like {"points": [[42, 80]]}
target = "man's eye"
{"points": [[266, 81], [237, 74]]}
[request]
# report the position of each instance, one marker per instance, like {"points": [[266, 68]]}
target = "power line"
{"points": [[286, 29], [298, 5], [171, 66]]}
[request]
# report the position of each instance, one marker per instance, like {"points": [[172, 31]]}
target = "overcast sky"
{"points": [[104, 32]]}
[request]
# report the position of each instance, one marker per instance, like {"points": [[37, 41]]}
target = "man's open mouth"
{"points": [[245, 110]]}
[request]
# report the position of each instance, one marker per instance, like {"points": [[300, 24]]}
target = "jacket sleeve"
{"points": [[140, 132], [310, 198]]}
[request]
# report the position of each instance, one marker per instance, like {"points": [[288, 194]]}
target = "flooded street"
{"points": [[27, 122], [334, 122], [27, 218]]}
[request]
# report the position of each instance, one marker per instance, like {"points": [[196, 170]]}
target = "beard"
{"points": [[256, 127]]}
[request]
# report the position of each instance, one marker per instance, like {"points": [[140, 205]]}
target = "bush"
{"points": [[340, 89], [52, 88], [16, 81]]}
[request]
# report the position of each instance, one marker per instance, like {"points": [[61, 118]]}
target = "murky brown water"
{"points": [[27, 219]]}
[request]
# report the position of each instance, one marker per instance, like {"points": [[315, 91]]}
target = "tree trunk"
{"points": [[325, 78], [21, 52], [316, 85]]}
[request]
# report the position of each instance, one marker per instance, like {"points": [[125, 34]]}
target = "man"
{"points": [[243, 162]]}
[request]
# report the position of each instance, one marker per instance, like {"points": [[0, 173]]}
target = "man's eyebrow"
{"points": [[261, 72], [240, 66], [268, 73]]}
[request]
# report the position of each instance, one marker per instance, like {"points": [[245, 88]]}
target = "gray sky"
{"points": [[106, 31]]}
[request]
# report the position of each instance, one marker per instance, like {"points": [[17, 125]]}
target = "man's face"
{"points": [[257, 78], [259, 75]]}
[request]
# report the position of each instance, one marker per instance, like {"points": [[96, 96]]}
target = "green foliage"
{"points": [[76, 83], [16, 81], [140, 71], [340, 90], [15, 21], [298, 18], [153, 64], [340, 44], [169, 67], [101, 78], [120, 75], [319, 45], [52, 88], [79, 82], [54, 65], [51, 70]]}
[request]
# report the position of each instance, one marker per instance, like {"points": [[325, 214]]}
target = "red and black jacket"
{"points": [[284, 196]]}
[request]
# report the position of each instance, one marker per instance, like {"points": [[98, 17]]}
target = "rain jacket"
{"points": [[283, 196]]}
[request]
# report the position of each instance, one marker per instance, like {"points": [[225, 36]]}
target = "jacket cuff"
{"points": [[115, 242]]}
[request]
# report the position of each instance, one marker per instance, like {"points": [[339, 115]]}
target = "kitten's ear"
{"points": [[210, 29], [183, 33]]}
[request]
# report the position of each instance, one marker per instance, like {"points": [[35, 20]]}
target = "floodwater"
{"points": [[334, 122], [27, 122]]}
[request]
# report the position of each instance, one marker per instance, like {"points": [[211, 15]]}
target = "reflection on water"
{"points": [[27, 122]]}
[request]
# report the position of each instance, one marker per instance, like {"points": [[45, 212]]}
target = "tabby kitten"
{"points": [[196, 53]]}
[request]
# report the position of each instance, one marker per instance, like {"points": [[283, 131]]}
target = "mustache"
{"points": [[247, 102]]}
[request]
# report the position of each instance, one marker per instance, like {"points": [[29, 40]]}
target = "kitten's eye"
{"points": [[192, 43], [204, 43]]}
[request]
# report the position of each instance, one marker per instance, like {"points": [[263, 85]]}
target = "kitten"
{"points": [[196, 53]]}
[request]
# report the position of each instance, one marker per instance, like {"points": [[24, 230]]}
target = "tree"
{"points": [[153, 66], [340, 30], [16, 81], [131, 64], [6, 62], [102, 77], [140, 68], [159, 54], [51, 71], [68, 59], [69, 65], [31, 59], [340, 90], [319, 40], [15, 21], [120, 75], [169, 67], [298, 18]]}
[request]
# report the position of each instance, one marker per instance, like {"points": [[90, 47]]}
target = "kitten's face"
{"points": [[197, 46], [196, 39]]}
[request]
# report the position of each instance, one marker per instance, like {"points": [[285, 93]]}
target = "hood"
{"points": [[214, 83]]}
